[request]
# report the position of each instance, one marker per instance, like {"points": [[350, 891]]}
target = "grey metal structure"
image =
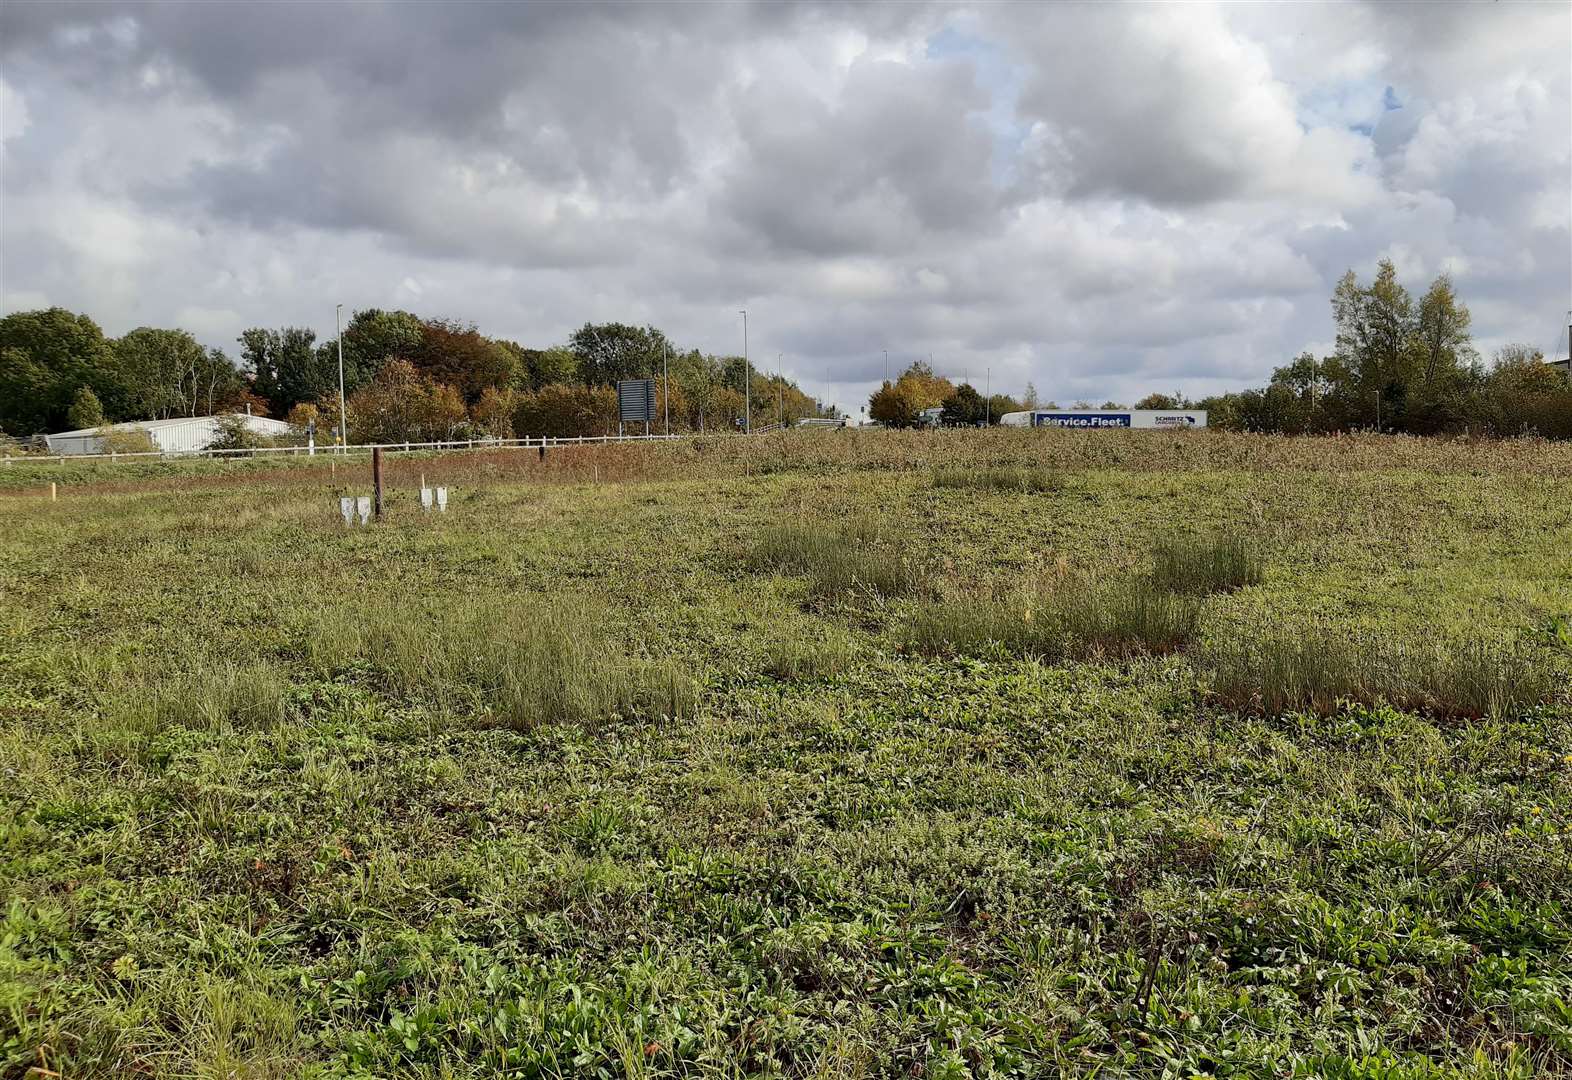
{"points": [[636, 400]]}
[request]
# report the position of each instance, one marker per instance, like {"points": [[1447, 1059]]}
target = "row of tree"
{"points": [[1405, 366], [404, 377], [1399, 365]]}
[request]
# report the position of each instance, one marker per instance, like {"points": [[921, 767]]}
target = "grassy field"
{"points": [[828, 754]]}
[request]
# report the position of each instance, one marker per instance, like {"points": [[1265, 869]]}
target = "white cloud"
{"points": [[1103, 200]]}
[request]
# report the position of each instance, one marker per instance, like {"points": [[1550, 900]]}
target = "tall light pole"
{"points": [[747, 380], [886, 365], [343, 418], [987, 397], [665, 383], [780, 392]]}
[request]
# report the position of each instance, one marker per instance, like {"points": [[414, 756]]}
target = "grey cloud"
{"points": [[1151, 210]]}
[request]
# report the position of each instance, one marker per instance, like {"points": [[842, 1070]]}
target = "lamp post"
{"points": [[747, 380], [665, 383], [343, 418]]}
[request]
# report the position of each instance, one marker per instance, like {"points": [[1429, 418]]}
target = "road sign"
{"points": [[636, 400]]}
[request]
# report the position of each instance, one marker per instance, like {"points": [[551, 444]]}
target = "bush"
{"points": [[1207, 565], [233, 434], [1276, 672], [125, 441], [1004, 478], [565, 412], [1118, 620]]}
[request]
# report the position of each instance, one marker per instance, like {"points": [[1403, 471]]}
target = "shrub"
{"points": [[125, 441], [1003, 478], [1117, 619], [1206, 565], [857, 557], [1277, 672]]}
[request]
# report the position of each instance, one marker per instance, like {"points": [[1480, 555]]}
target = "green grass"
{"points": [[1320, 672], [571, 781], [1078, 619], [1000, 478], [1206, 565], [839, 559]]}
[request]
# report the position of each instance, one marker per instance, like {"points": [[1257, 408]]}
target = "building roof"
{"points": [[172, 422]]}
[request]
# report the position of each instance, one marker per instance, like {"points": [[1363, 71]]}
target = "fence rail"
{"points": [[359, 448]]}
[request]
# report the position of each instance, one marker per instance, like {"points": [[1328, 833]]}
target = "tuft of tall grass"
{"points": [[519, 665], [1206, 564], [838, 558], [1029, 479], [1276, 673], [1116, 619], [794, 657]]}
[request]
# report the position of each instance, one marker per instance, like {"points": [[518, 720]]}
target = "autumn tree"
{"points": [[458, 355], [561, 411], [401, 405]]}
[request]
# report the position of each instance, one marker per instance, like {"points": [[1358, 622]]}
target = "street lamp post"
{"points": [[747, 381], [780, 392], [987, 397], [343, 419], [665, 383]]}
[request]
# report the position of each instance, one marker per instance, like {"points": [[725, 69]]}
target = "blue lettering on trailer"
{"points": [[1080, 420]]}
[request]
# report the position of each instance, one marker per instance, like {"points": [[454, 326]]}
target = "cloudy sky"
{"points": [[1102, 199]]}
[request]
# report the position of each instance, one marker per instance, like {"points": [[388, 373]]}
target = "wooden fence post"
{"points": [[376, 480]]}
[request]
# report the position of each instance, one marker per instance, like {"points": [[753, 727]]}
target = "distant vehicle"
{"points": [[1107, 418], [930, 417]]}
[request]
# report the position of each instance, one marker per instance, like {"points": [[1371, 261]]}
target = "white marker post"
{"points": [[347, 508], [442, 499], [363, 505]]}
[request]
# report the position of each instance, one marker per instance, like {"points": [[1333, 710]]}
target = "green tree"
{"points": [[86, 412], [372, 338], [610, 352], [1157, 401], [1000, 404], [964, 408], [168, 373], [45, 358], [542, 367], [285, 369]]}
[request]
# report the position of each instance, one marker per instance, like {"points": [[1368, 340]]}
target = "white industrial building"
{"points": [[183, 434]]}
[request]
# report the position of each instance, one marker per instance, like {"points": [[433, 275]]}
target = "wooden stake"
{"points": [[376, 482], [53, 494]]}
